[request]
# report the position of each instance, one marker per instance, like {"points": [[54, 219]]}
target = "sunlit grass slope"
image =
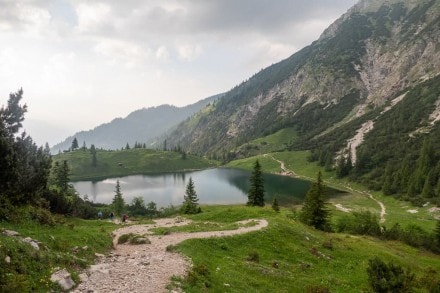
{"points": [[129, 162], [288, 256]]}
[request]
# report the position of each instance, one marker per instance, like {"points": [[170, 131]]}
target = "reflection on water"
{"points": [[213, 186]]}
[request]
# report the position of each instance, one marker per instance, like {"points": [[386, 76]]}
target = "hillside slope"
{"points": [[360, 63], [369, 85], [139, 126]]}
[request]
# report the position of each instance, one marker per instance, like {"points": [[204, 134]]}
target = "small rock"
{"points": [[32, 242], [8, 259], [63, 279], [10, 233], [85, 247], [99, 255], [83, 277], [226, 285]]}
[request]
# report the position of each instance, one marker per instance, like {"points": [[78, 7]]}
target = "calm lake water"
{"points": [[213, 186]]}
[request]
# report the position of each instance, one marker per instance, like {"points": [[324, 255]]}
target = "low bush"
{"points": [[388, 277]]}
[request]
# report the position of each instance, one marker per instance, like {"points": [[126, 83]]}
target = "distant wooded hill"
{"points": [[141, 126]]}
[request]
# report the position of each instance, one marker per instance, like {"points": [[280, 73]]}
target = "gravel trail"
{"points": [[146, 267]]}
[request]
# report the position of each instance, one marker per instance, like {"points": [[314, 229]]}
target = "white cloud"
{"points": [[189, 52], [129, 54], [162, 54], [93, 17]]}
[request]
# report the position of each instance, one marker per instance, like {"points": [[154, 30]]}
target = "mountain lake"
{"points": [[213, 186]]}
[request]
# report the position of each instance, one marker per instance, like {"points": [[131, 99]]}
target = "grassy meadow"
{"points": [[129, 162], [288, 256]]}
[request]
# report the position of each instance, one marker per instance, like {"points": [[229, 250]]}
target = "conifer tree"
{"points": [[437, 233], [93, 152], [118, 202], [190, 205], [314, 212], [256, 191], [275, 205], [74, 144]]}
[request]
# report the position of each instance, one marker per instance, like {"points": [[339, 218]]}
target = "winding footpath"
{"points": [[147, 267], [286, 171]]}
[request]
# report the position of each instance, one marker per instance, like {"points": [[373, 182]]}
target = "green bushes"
{"points": [[388, 277], [362, 223]]}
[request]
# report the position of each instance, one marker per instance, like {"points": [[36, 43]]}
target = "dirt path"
{"points": [[286, 171], [383, 209], [147, 267]]}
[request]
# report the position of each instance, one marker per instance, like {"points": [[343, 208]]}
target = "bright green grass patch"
{"points": [[129, 162], [71, 245], [275, 142], [290, 257], [201, 227]]}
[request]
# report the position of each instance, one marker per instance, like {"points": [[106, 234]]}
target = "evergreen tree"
{"points": [[127, 147], [137, 206], [118, 202], [84, 147], [256, 191], [61, 174], [24, 167], [93, 152], [74, 144], [151, 209], [314, 212], [190, 205], [275, 205], [437, 233]]}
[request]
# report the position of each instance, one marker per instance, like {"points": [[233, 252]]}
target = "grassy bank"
{"points": [[290, 257], [129, 162], [63, 243], [356, 199]]}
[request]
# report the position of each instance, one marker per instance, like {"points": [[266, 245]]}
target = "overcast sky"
{"points": [[82, 63]]}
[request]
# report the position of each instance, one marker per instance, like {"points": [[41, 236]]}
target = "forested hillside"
{"points": [[364, 98], [140, 126]]}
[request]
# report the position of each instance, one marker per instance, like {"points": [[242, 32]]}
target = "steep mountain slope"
{"points": [[362, 61], [367, 91], [139, 126]]}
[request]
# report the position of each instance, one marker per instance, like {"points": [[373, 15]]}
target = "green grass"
{"points": [[290, 257], [356, 199], [129, 162], [70, 244]]}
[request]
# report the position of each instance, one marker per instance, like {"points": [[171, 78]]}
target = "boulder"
{"points": [[63, 278]]}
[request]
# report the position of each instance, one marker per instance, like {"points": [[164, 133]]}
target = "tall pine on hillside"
{"points": [[314, 213], [256, 192], [190, 205]]}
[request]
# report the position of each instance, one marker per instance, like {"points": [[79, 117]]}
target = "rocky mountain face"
{"points": [[141, 126], [362, 62]]}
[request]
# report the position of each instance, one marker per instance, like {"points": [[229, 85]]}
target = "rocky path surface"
{"points": [[146, 267]]}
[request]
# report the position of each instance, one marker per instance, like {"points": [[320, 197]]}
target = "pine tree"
{"points": [[118, 202], [275, 205], [437, 233], [256, 191], [190, 205], [93, 152], [314, 212], [74, 144]]}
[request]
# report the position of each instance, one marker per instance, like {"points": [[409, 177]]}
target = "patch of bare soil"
{"points": [[146, 267]]}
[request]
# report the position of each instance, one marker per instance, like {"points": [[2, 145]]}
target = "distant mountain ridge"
{"points": [[141, 126]]}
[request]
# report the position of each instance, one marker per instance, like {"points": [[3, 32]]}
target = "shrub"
{"points": [[362, 223], [254, 257], [388, 277]]}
